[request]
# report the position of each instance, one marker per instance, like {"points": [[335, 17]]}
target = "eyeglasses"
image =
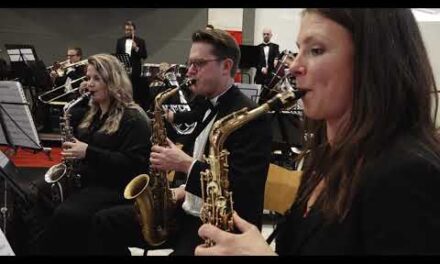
{"points": [[71, 55], [199, 63]]}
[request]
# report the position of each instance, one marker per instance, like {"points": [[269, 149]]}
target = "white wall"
{"points": [[226, 18], [284, 23], [431, 36]]}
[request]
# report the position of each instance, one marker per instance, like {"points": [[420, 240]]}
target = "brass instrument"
{"points": [[42, 97], [283, 65], [58, 67], [78, 63], [61, 67], [61, 176], [217, 199], [154, 203]]}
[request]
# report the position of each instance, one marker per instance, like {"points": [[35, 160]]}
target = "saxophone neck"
{"points": [[284, 100]]}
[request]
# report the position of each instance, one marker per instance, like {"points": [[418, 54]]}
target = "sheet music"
{"points": [[250, 90], [12, 92]]}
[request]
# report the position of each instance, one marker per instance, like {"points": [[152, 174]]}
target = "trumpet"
{"points": [[69, 90]]}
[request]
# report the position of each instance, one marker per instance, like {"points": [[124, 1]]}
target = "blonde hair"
{"points": [[119, 89]]}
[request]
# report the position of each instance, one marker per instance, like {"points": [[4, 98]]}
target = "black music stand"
{"points": [[125, 59], [287, 128], [29, 70], [17, 129], [249, 58], [21, 57]]}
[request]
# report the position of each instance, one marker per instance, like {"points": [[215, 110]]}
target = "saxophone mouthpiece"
{"points": [[186, 84], [285, 100]]}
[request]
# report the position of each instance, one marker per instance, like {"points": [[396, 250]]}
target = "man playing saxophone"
{"points": [[212, 63]]}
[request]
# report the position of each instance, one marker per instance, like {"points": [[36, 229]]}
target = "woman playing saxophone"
{"points": [[112, 146]]}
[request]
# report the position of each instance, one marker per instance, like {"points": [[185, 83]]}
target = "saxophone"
{"points": [[217, 199], [154, 203], [62, 177]]}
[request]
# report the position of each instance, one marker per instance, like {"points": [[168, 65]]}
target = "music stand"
{"points": [[17, 125], [125, 59], [249, 56], [20, 57], [17, 129]]}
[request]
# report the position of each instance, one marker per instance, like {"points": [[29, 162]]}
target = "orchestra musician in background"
{"points": [[62, 75], [134, 46]]}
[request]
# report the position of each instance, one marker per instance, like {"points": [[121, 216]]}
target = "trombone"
{"points": [[66, 85], [60, 67]]}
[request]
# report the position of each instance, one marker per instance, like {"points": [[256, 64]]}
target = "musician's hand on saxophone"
{"points": [[170, 157], [74, 150], [178, 193], [83, 87], [249, 242]]}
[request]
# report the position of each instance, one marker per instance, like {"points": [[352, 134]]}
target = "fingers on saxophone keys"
{"points": [[67, 155]]}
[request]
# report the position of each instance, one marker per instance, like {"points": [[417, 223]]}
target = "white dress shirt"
{"points": [[128, 46], [266, 55], [193, 204]]}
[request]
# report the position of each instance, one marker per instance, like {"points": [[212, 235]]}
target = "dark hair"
{"points": [[210, 26], [224, 45], [393, 87], [130, 23], [77, 49]]}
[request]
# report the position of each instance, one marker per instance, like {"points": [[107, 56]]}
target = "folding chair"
{"points": [[280, 192]]}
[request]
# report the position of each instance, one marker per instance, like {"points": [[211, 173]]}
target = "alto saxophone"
{"points": [[217, 199], [62, 177], [154, 203]]}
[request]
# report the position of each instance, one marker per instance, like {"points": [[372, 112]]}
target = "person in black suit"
{"points": [[267, 61], [371, 177], [213, 61], [111, 146], [135, 47]]}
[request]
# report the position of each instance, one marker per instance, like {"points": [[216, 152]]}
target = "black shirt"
{"points": [[113, 160]]}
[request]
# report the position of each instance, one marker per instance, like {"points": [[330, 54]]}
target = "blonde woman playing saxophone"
{"points": [[112, 146]]}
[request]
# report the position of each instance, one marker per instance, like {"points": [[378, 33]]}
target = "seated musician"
{"points": [[213, 61], [112, 147]]}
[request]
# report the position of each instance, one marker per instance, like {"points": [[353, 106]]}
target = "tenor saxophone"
{"points": [[153, 200], [217, 199]]}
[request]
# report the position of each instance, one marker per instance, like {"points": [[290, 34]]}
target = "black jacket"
{"points": [[274, 53], [113, 160], [249, 158], [396, 211], [136, 57]]}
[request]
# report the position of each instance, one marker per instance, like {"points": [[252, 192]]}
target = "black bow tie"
{"points": [[265, 44]]}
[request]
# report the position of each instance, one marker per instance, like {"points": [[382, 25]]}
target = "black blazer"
{"points": [[396, 211], [136, 57], [274, 53], [250, 149]]}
